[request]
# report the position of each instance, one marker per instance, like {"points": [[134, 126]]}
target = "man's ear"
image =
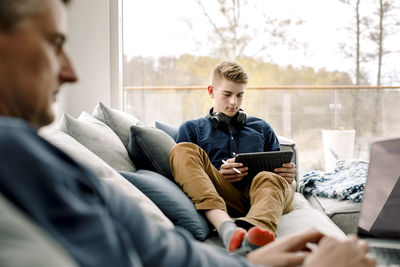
{"points": [[210, 89]]}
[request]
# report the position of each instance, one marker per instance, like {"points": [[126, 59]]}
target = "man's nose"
{"points": [[67, 72]]}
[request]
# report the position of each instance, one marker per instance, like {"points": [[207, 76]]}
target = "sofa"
{"points": [[133, 156]]}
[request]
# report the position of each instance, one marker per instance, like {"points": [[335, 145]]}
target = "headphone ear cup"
{"points": [[241, 118], [220, 120], [223, 120], [214, 121]]}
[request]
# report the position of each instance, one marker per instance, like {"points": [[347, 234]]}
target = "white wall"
{"points": [[89, 47]]}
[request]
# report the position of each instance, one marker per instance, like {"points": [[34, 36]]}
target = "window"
{"points": [[299, 55]]}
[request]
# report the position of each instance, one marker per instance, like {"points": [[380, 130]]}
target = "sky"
{"points": [[158, 28]]}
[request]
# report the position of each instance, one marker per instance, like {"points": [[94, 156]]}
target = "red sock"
{"points": [[259, 237], [236, 240]]}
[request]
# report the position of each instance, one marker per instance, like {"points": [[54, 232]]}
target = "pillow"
{"points": [[171, 200], [23, 243], [98, 138], [107, 174], [171, 130], [149, 149], [117, 120]]}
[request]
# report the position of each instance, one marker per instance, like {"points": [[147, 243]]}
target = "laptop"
{"points": [[379, 221]]}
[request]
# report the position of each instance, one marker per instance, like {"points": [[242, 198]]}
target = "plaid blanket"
{"points": [[346, 181]]}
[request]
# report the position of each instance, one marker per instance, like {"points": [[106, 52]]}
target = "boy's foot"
{"points": [[236, 239], [258, 237]]}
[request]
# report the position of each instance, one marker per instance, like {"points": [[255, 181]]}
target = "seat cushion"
{"points": [[344, 213], [305, 216]]}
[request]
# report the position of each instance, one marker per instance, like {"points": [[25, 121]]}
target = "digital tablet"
{"points": [[264, 161]]}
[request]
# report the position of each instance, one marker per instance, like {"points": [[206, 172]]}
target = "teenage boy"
{"points": [[203, 165]]}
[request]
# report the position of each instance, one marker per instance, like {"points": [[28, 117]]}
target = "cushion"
{"points": [[171, 130], [107, 174], [171, 200], [23, 243], [117, 120], [149, 149], [98, 138], [344, 213], [303, 217]]}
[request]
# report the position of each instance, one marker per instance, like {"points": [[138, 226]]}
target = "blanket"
{"points": [[345, 182]]}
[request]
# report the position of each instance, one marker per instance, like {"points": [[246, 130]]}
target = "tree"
{"points": [[386, 25], [354, 51], [231, 34]]}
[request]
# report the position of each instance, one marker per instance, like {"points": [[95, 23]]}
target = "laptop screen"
{"points": [[380, 213]]}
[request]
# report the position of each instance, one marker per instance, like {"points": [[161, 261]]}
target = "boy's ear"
{"points": [[210, 89]]}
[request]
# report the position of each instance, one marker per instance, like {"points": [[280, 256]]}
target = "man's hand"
{"points": [[292, 250], [286, 251], [287, 171], [231, 175], [350, 252]]}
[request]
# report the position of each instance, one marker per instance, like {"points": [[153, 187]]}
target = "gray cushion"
{"points": [[107, 174], [172, 201], [300, 219], [23, 243], [117, 120], [98, 138], [344, 213], [149, 149]]}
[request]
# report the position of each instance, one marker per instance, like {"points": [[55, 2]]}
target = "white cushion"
{"points": [[119, 121], [107, 174], [98, 138]]}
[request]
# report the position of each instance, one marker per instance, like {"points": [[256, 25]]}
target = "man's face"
{"points": [[227, 96], [34, 64]]}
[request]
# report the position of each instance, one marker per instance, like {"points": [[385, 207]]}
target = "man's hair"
{"points": [[231, 71], [13, 12]]}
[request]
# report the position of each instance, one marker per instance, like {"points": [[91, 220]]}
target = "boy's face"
{"points": [[34, 65], [227, 96]]}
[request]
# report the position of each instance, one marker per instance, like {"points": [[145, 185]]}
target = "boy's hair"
{"points": [[231, 71]]}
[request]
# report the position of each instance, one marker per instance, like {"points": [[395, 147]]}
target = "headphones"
{"points": [[220, 120]]}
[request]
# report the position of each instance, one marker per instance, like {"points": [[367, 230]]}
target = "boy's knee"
{"points": [[271, 178]]}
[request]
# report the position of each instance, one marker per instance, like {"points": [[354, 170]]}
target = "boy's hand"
{"points": [[230, 174], [287, 171]]}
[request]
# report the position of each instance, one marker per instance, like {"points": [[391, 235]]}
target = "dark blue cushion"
{"points": [[171, 130], [171, 200], [149, 149]]}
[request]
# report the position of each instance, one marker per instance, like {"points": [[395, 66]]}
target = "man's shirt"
{"points": [[256, 136], [95, 222]]}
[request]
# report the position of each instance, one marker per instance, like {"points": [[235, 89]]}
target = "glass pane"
{"points": [[171, 47]]}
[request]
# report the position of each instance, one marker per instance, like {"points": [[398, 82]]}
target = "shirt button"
{"points": [[232, 137], [233, 153]]}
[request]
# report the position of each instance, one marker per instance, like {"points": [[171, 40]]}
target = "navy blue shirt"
{"points": [[256, 136], [92, 220]]}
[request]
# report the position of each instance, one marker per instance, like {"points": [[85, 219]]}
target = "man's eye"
{"points": [[239, 95], [58, 45], [57, 42]]}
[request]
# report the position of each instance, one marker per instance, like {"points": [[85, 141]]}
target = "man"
{"points": [[93, 222], [226, 131]]}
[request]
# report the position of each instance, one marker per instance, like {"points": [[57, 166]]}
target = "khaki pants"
{"points": [[261, 202]]}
